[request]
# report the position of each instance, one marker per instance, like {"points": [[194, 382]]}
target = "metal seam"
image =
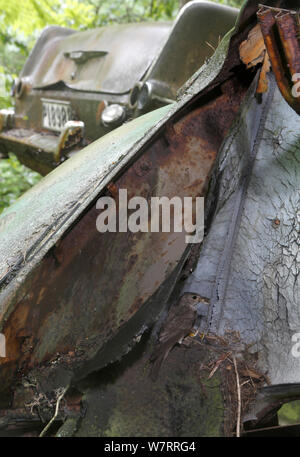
{"points": [[224, 267]]}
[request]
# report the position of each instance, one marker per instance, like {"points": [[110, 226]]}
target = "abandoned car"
{"points": [[76, 87], [88, 315]]}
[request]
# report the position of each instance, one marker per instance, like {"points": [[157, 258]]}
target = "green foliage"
{"points": [[33, 15], [119, 11], [21, 24], [234, 3], [289, 413], [15, 179], [5, 83]]}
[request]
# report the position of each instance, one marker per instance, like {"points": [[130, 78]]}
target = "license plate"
{"points": [[56, 114]]}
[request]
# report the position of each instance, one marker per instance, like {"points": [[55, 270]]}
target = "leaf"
{"points": [[253, 52]]}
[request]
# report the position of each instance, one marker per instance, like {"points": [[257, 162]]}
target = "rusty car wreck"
{"points": [[76, 87], [86, 314]]}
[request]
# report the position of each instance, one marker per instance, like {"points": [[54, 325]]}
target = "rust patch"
{"points": [[280, 29], [91, 284], [142, 166], [253, 52]]}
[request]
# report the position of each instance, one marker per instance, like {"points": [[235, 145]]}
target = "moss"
{"points": [[68, 428], [289, 413], [179, 403]]}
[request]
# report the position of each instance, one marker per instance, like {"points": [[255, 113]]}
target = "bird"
{"points": [[179, 324]]}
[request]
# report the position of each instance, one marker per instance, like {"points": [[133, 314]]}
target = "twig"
{"points": [[246, 382], [238, 421], [59, 398], [210, 45], [218, 362]]}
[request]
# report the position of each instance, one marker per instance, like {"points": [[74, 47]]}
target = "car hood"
{"points": [[94, 60]]}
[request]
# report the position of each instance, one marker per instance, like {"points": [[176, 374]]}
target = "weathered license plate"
{"points": [[56, 114]]}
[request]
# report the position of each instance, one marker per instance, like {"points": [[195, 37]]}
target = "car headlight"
{"points": [[19, 87], [144, 97], [113, 115], [140, 95]]}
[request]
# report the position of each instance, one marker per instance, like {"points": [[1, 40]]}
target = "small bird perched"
{"points": [[179, 324]]}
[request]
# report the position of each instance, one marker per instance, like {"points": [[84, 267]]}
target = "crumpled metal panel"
{"points": [[35, 324], [41, 215], [249, 262], [83, 177], [110, 287]]}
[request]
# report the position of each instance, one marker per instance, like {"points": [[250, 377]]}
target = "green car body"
{"points": [[99, 79]]}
